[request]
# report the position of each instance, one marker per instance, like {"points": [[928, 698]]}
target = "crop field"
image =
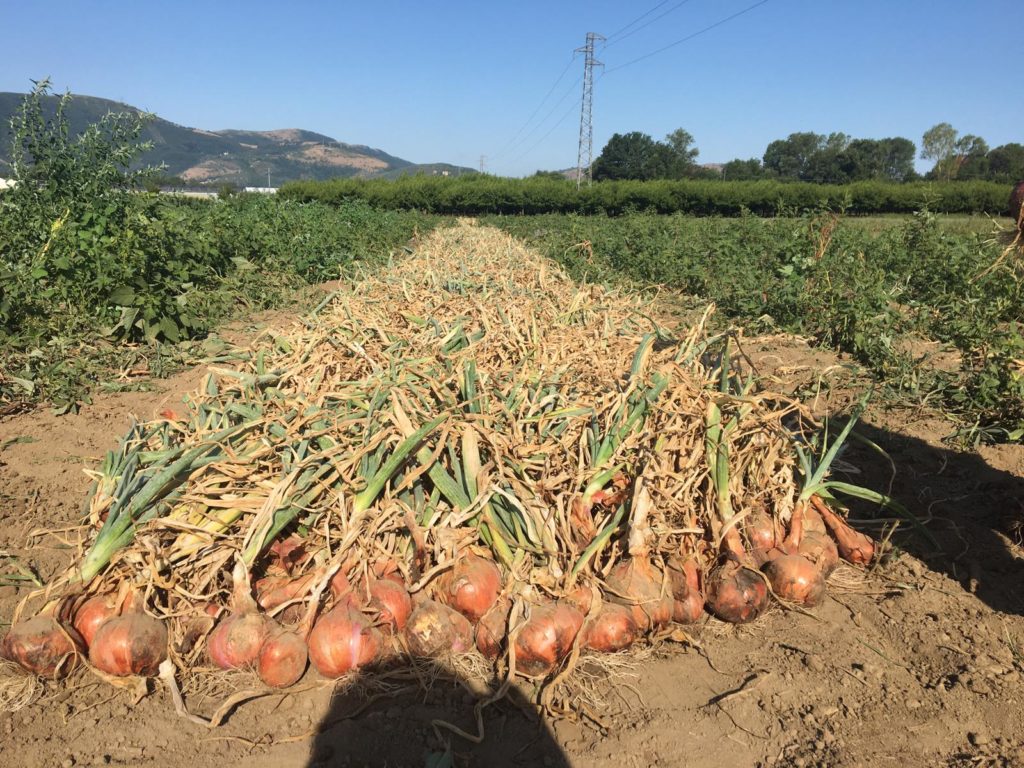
{"points": [[930, 305], [324, 482]]}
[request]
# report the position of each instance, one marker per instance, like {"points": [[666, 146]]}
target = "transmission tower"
{"points": [[584, 157]]}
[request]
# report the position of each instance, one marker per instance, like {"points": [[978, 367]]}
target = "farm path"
{"points": [[919, 665]]}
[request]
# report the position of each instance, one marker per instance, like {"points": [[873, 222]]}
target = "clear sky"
{"points": [[451, 80]]}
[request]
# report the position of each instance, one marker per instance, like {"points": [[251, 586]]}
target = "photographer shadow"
{"points": [[972, 510], [419, 726]]}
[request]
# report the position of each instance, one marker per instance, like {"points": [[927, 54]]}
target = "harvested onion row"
{"points": [[570, 460]]}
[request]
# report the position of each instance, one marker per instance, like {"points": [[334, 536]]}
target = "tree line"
{"points": [[836, 158]]}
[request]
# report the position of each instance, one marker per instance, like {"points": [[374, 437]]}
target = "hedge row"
{"points": [[479, 195]]}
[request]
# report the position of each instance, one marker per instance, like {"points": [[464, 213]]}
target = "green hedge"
{"points": [[479, 195]]}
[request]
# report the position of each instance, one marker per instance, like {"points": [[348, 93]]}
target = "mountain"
{"points": [[240, 157]]}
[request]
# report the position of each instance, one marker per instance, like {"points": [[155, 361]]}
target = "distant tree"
{"points": [[825, 166], [742, 170], [631, 155], [550, 175], [939, 143], [681, 154], [790, 158], [1006, 163], [971, 157], [636, 155], [898, 159]]}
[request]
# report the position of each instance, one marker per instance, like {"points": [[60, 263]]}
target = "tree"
{"points": [[682, 155], [742, 170], [636, 155], [971, 158], [1006, 163], [939, 143], [898, 159], [627, 156], [790, 158]]}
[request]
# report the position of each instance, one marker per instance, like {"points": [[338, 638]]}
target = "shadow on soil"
{"points": [[402, 730], [969, 506]]}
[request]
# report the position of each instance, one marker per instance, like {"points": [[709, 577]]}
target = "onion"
{"points": [[131, 644], [637, 582], [761, 531], [341, 588], [854, 546], [275, 591], [435, 629], [492, 629], [812, 521], [472, 587], [687, 600], [391, 601], [342, 640], [547, 637], [613, 629], [42, 646], [735, 592], [820, 550], [92, 613], [796, 579], [236, 640], [580, 598], [282, 659]]}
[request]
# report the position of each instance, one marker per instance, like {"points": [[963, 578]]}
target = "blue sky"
{"points": [[453, 80]]}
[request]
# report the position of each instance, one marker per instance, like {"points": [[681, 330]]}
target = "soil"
{"points": [[917, 663]]}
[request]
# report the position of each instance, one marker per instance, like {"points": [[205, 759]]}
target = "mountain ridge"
{"points": [[232, 155]]}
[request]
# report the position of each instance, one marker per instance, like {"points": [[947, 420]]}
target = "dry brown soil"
{"points": [[918, 665]]}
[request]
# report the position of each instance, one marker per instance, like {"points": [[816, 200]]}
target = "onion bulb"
{"points": [[42, 646], [820, 550], [472, 587], [274, 591], [638, 583], [687, 600], [761, 531], [92, 613], [282, 659], [613, 629], [736, 593], [547, 637], [236, 640], [391, 601], [796, 579], [342, 640], [131, 644], [434, 629], [854, 546], [492, 629]]}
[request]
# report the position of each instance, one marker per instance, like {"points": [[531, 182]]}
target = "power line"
{"points": [[572, 108], [644, 26], [538, 107], [708, 28], [543, 120], [634, 21]]}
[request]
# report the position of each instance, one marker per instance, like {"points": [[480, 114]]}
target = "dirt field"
{"points": [[919, 664]]}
